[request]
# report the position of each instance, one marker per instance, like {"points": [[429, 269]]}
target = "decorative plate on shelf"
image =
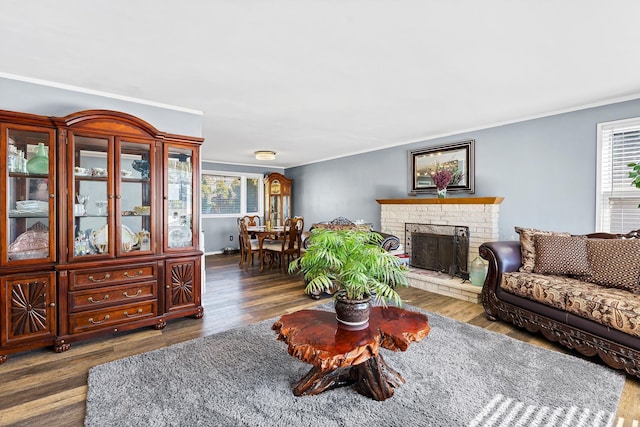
{"points": [[30, 244], [180, 236], [128, 238], [100, 238]]}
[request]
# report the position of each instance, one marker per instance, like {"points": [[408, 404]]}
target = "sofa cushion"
{"points": [[612, 307], [527, 246], [543, 288], [615, 263], [563, 255]]}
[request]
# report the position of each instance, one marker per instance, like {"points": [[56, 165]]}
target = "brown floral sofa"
{"points": [[580, 291]]}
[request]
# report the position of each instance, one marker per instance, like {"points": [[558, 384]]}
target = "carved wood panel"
{"points": [[31, 311], [182, 289]]}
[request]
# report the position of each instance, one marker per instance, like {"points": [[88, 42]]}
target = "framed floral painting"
{"points": [[454, 161]]}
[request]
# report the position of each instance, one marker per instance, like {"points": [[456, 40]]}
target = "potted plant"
{"points": [[352, 263]]}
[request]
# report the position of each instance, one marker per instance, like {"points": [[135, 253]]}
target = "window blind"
{"points": [[617, 199], [231, 194]]}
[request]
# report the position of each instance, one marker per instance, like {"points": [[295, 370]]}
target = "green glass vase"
{"points": [[39, 164]]}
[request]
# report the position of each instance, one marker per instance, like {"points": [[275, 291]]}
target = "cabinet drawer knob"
{"points": [[106, 317], [104, 298], [132, 296], [139, 273], [137, 313], [53, 304], [105, 277]]}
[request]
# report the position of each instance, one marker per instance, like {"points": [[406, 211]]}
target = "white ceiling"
{"points": [[314, 80]]}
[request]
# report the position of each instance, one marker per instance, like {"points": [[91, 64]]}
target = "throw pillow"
{"points": [[527, 246], [563, 255], [615, 263]]}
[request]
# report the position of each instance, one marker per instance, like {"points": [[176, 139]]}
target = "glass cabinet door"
{"points": [[90, 196], [112, 196], [179, 197], [29, 205], [275, 218], [134, 198]]}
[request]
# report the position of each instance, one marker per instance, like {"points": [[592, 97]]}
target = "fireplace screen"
{"points": [[443, 248]]}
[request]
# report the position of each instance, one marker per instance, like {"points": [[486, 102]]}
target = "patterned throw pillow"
{"points": [[615, 263], [528, 248], [562, 255]]}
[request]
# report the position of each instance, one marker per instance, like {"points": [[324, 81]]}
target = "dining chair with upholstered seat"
{"points": [[300, 227], [248, 246], [289, 244]]}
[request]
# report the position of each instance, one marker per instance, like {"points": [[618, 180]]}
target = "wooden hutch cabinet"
{"points": [[109, 220], [277, 199]]}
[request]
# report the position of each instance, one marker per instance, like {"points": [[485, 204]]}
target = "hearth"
{"points": [[443, 248]]}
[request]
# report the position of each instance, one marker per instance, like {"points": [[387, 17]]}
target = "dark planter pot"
{"points": [[352, 314]]}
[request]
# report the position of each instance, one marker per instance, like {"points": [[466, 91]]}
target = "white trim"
{"points": [[599, 176], [615, 193], [243, 188], [99, 93]]}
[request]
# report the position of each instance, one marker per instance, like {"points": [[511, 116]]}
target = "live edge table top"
{"points": [[315, 337]]}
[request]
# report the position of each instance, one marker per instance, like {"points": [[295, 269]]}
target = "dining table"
{"points": [[262, 233]]}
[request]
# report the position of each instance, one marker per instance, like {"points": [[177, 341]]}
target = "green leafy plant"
{"points": [[352, 261], [635, 174]]}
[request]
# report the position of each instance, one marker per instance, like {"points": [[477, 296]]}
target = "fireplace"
{"points": [[480, 214], [443, 248]]}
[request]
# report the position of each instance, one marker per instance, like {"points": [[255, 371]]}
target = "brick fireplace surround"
{"points": [[480, 214]]}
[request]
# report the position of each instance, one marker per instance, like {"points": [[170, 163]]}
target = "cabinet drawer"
{"points": [[110, 295], [109, 317], [83, 279]]}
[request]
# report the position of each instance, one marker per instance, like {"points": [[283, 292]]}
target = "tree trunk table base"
{"points": [[372, 378], [350, 358]]}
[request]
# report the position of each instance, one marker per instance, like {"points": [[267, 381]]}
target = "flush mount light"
{"points": [[265, 155]]}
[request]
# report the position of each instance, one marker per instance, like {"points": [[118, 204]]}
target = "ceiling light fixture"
{"points": [[265, 155]]}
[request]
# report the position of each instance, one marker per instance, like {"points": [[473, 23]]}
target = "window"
{"points": [[616, 199], [230, 194]]}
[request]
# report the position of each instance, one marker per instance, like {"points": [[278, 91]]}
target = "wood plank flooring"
{"points": [[45, 388]]}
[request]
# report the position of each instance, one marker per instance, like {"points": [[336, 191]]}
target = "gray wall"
{"points": [[27, 97], [544, 168], [217, 230]]}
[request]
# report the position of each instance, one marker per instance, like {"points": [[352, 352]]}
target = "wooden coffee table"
{"points": [[342, 357]]}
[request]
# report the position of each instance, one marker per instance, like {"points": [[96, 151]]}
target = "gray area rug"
{"points": [[459, 375]]}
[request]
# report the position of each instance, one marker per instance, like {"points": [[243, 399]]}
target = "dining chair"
{"points": [[300, 227], [252, 220], [240, 240], [248, 246], [289, 245]]}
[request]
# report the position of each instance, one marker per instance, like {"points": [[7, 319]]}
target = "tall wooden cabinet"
{"points": [[277, 199], [103, 207]]}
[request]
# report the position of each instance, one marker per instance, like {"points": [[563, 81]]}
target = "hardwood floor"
{"points": [[44, 388]]}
